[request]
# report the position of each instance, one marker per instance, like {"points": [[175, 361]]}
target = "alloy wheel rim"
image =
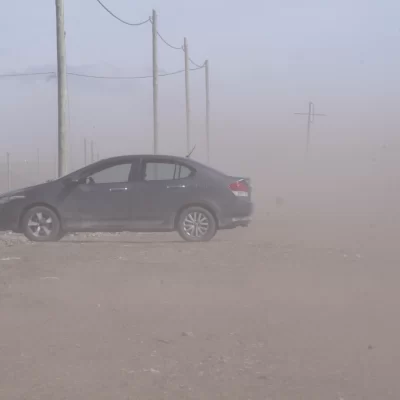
{"points": [[196, 224], [40, 225]]}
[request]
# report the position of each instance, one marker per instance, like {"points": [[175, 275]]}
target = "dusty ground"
{"points": [[292, 308]]}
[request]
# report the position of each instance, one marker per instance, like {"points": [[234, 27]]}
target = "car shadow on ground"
{"points": [[103, 241], [132, 242]]}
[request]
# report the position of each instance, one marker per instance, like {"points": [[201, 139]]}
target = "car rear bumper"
{"points": [[240, 216]]}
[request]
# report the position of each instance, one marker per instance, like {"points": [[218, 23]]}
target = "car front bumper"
{"points": [[8, 219]]}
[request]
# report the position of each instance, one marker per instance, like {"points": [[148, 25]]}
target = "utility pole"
{"points": [[207, 69], [8, 172], [92, 151], [85, 152], [187, 83], [155, 84], [62, 90], [310, 114], [38, 164]]}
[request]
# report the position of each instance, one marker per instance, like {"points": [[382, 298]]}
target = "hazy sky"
{"points": [[268, 59], [304, 41]]}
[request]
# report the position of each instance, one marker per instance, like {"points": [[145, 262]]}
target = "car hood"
{"points": [[21, 191], [12, 193]]}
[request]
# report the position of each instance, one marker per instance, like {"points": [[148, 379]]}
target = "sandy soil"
{"points": [[301, 308]]}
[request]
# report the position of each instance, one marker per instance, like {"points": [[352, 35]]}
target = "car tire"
{"points": [[196, 224], [41, 224]]}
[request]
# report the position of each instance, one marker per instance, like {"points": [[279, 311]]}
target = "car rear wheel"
{"points": [[41, 224], [197, 224]]}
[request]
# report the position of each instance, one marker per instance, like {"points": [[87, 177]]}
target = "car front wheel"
{"points": [[41, 224], [197, 224]]}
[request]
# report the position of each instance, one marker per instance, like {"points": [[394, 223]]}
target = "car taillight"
{"points": [[240, 188]]}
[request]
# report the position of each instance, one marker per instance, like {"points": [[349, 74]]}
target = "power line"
{"points": [[101, 76], [176, 48], [26, 74], [107, 77], [180, 71], [197, 65], [168, 44], [121, 20], [164, 40], [129, 77]]}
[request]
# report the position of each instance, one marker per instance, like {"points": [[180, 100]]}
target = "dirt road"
{"points": [[288, 309]]}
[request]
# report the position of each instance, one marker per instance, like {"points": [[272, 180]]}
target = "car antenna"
{"points": [[194, 148]]}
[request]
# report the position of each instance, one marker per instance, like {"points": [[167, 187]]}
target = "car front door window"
{"points": [[116, 174]]}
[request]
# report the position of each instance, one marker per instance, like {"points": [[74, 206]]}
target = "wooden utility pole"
{"points": [[62, 90], [187, 86], [85, 152], [310, 114], [38, 164], [92, 151], [207, 69], [8, 172], [155, 84]]}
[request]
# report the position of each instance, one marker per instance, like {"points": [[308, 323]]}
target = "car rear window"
{"points": [[208, 168], [159, 171]]}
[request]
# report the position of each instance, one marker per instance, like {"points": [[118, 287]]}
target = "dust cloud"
{"points": [[303, 304], [349, 173]]}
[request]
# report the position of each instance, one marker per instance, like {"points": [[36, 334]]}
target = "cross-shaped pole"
{"points": [[311, 114]]}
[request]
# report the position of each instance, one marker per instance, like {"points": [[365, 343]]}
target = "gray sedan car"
{"points": [[139, 193]]}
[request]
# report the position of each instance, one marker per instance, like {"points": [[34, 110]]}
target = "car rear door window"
{"points": [[115, 174], [163, 171]]}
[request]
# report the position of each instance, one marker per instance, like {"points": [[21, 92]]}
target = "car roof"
{"points": [[151, 156], [196, 165], [184, 160]]}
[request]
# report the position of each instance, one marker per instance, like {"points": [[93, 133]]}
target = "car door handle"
{"points": [[125, 189], [176, 186]]}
